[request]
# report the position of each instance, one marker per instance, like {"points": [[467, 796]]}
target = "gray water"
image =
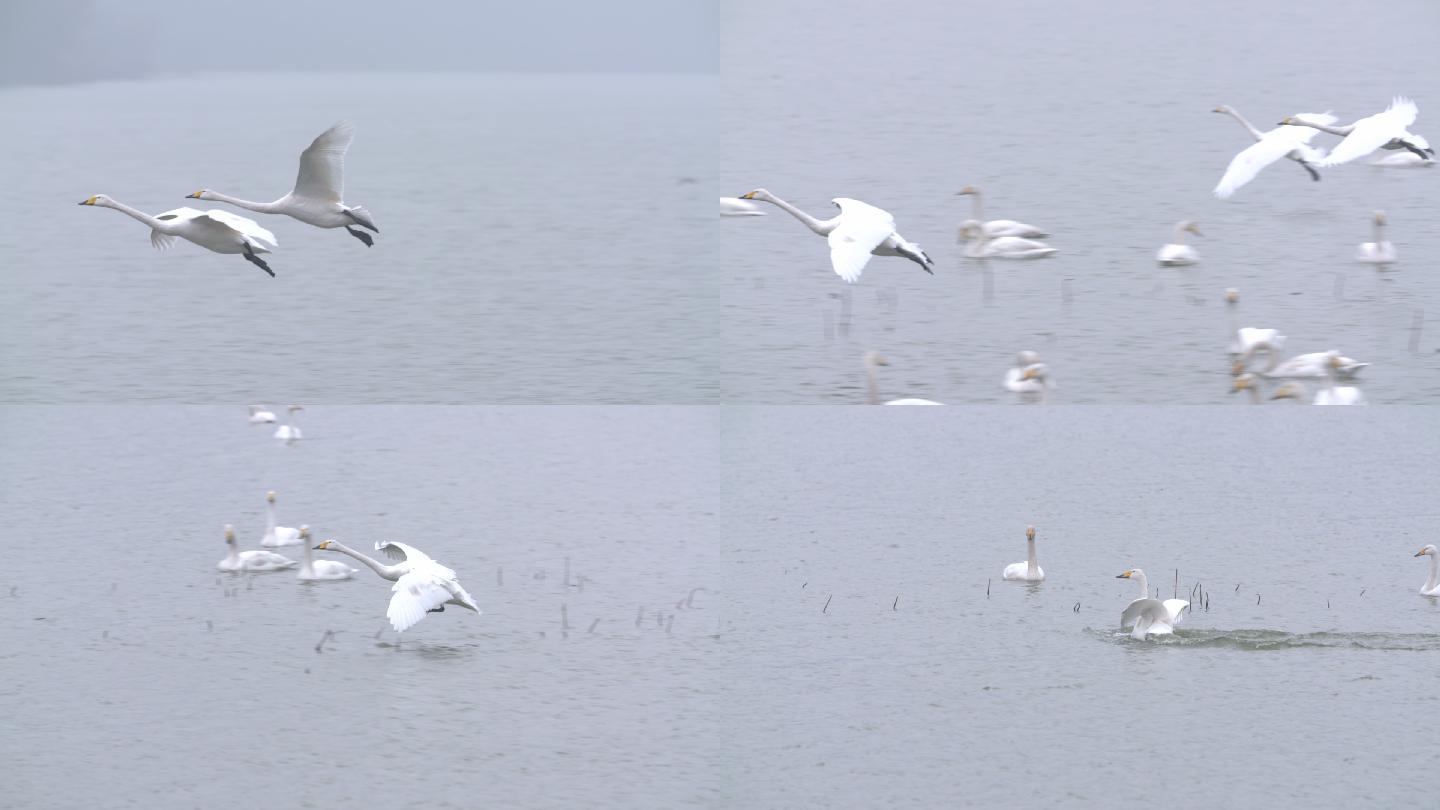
{"points": [[1094, 122], [538, 241], [843, 651]]}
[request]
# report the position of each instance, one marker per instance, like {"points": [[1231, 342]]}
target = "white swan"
{"points": [[1315, 365], [289, 432], [1029, 570], [313, 570], [1432, 585], [1177, 253], [997, 227], [421, 584], [215, 230], [980, 246], [1282, 141], [1246, 340], [872, 360], [276, 536], [316, 198], [1331, 394], [860, 231], [1403, 160], [736, 207], [1147, 615], [1380, 251], [251, 560], [1017, 379], [259, 416], [1383, 130]]}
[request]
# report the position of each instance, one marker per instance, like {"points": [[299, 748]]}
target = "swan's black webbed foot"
{"points": [[1314, 175], [360, 222], [258, 262], [440, 609], [1417, 150], [361, 235]]}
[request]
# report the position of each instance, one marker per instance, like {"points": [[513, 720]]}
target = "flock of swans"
{"points": [[1148, 616], [315, 200], [1329, 367]]}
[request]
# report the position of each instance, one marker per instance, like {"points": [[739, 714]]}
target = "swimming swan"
{"points": [[1282, 141], [860, 231], [997, 227], [1147, 615], [421, 584], [1383, 130], [1177, 253], [215, 230], [873, 360], [1379, 251], [315, 200], [1315, 365], [259, 416], [1331, 394], [251, 560], [313, 570], [736, 207], [1029, 570], [1432, 585], [980, 246], [276, 536], [289, 432], [1246, 340]]}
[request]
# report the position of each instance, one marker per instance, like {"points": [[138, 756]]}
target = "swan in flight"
{"points": [[276, 536], [421, 584], [288, 432], [251, 560], [260, 416], [1380, 251], [1383, 130], [980, 246], [997, 227], [736, 207], [1432, 585], [1177, 253], [1029, 570], [858, 232], [1148, 615], [313, 570], [315, 200], [1247, 340], [872, 361], [1282, 141], [215, 230]]}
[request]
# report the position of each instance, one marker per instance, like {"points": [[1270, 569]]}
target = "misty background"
{"points": [[85, 40]]}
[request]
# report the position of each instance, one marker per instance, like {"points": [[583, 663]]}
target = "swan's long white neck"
{"points": [[140, 215], [822, 227], [307, 568], [1379, 233], [1238, 117], [1139, 577], [871, 384], [1180, 234], [1031, 563], [290, 420], [269, 518], [975, 206], [262, 207], [1333, 130], [234, 558], [1434, 580], [390, 572]]}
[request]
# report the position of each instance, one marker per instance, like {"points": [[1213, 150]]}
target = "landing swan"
{"points": [[276, 536], [997, 227], [1029, 570], [1150, 616], [1380, 251], [1432, 585], [313, 570], [251, 560], [860, 231], [1282, 141], [1384, 130], [1246, 340], [315, 200], [215, 230], [736, 207], [289, 432], [421, 584], [260, 416], [873, 360], [980, 246], [1177, 253]]}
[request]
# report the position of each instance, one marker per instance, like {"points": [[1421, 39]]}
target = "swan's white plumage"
{"points": [[421, 583], [255, 561], [862, 228], [322, 164], [1148, 616], [1027, 570], [1432, 585], [980, 246], [736, 207], [1372, 132], [260, 416], [1272, 146]]}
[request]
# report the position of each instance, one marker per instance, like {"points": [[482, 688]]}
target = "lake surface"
{"points": [[1095, 124], [538, 243], [842, 653]]}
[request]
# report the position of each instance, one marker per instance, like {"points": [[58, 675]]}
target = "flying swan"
{"points": [[276, 536], [319, 186], [1147, 615], [1383, 130], [313, 570], [255, 561], [1380, 251], [1282, 141], [421, 584], [1177, 253], [1432, 585], [860, 231], [997, 227], [873, 360], [1029, 570], [215, 230]]}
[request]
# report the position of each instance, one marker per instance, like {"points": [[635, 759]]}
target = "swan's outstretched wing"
{"points": [[322, 165], [1272, 146], [1152, 610], [248, 227], [414, 594], [404, 552], [1174, 609], [161, 241], [1374, 132], [862, 228]]}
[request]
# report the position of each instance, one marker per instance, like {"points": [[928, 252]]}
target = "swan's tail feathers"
{"points": [[161, 241], [361, 216]]}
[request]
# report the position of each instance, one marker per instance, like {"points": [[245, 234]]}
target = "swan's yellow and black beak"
{"points": [[1125, 575], [87, 201], [195, 196], [323, 545], [1420, 553], [749, 195]]}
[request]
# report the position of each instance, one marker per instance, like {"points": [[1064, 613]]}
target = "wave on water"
{"points": [[1280, 640]]}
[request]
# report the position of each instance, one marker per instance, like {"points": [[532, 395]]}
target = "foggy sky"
{"points": [[74, 40]]}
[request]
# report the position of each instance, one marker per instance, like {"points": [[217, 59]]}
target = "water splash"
{"points": [[1252, 639]]}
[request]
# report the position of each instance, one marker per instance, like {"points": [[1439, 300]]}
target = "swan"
{"points": [[1148, 615], [251, 560], [1282, 141], [288, 432], [1248, 382], [313, 570], [980, 246], [1383, 130], [997, 227], [276, 536], [1316, 365], [1016, 379], [315, 200], [858, 232], [736, 207], [1177, 253], [1432, 585], [1380, 251], [215, 230], [258, 415], [1248, 340], [872, 360], [1029, 570], [1331, 394], [1403, 160], [421, 584]]}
